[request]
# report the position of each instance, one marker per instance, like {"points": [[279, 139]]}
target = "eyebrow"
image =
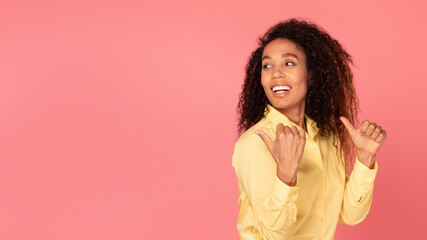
{"points": [[283, 55]]}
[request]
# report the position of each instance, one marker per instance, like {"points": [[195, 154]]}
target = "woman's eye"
{"points": [[289, 64], [265, 66]]}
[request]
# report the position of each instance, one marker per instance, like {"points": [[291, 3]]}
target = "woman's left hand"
{"points": [[368, 139]]}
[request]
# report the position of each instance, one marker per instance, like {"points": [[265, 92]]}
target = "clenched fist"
{"points": [[287, 149]]}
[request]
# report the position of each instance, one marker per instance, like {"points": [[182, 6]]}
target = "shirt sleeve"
{"points": [[358, 192], [273, 202]]}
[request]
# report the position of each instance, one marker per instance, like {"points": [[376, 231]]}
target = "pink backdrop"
{"points": [[118, 118]]}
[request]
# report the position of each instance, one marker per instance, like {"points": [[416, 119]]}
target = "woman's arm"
{"points": [[272, 201], [359, 187]]}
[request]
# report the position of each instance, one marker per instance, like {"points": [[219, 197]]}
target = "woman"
{"points": [[297, 108]]}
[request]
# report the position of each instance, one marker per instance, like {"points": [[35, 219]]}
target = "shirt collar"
{"points": [[277, 117]]}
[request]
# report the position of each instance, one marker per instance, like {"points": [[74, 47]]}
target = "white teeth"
{"points": [[277, 88]]}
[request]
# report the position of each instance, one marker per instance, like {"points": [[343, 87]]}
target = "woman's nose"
{"points": [[277, 73]]}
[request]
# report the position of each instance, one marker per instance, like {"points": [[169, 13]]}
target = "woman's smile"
{"points": [[281, 90]]}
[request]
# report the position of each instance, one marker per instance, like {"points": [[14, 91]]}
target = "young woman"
{"points": [[297, 107]]}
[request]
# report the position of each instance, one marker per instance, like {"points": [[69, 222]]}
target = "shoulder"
{"points": [[250, 145], [248, 138]]}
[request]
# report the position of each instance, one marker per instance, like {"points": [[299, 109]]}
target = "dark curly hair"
{"points": [[330, 90]]}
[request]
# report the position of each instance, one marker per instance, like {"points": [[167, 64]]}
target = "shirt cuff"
{"points": [[363, 174], [283, 192]]}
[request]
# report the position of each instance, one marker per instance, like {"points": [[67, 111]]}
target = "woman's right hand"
{"points": [[287, 149]]}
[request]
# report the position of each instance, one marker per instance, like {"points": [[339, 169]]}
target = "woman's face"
{"points": [[284, 75]]}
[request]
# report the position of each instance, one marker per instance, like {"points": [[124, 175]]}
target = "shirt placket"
{"points": [[322, 200]]}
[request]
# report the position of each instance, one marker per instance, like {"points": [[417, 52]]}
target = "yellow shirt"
{"points": [[324, 194]]}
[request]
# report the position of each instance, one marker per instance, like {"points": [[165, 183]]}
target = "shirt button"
{"points": [[321, 196], [295, 193], [321, 172], [321, 220]]}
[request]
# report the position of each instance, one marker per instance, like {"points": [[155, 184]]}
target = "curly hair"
{"points": [[330, 90]]}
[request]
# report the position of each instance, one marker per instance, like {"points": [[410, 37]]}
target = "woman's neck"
{"points": [[296, 115]]}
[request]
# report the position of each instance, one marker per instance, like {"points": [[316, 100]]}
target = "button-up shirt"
{"points": [[324, 194]]}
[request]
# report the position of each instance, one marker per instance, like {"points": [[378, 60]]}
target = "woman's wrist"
{"points": [[366, 158], [288, 179]]}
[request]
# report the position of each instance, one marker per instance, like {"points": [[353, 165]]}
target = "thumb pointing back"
{"points": [[348, 125], [267, 140]]}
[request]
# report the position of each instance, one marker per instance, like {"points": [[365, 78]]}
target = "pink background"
{"points": [[118, 118]]}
